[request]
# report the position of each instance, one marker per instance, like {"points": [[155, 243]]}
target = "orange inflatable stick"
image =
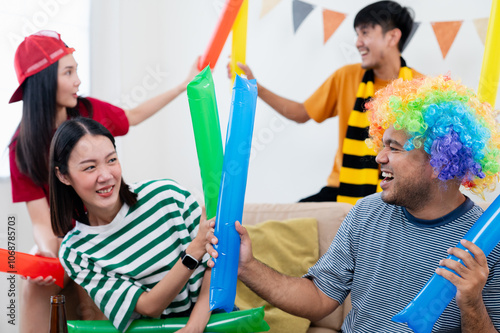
{"points": [[220, 34], [25, 264]]}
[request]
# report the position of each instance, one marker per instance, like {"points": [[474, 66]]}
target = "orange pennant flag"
{"points": [[331, 21], [445, 33]]}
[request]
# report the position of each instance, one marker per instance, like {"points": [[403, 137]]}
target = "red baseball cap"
{"points": [[34, 54]]}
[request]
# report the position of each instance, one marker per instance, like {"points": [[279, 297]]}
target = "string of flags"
{"points": [[445, 31]]}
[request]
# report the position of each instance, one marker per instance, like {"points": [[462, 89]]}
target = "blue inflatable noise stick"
{"points": [[424, 310], [232, 194]]}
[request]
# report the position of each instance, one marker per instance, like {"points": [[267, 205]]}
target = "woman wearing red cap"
{"points": [[48, 87]]}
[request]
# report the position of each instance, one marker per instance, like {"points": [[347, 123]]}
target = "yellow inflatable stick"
{"points": [[490, 70], [239, 48]]}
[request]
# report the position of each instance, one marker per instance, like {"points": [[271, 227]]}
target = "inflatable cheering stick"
{"points": [[490, 69], [25, 264], [222, 30], [245, 321], [424, 310], [239, 42], [206, 127], [232, 194]]}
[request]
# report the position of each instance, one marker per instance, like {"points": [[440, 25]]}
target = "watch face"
{"points": [[189, 261]]}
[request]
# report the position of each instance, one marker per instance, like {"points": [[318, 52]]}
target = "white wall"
{"points": [[130, 39]]}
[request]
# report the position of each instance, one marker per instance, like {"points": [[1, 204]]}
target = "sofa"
{"points": [[329, 216]]}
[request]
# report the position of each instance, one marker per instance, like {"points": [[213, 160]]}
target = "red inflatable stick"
{"points": [[220, 34], [29, 265]]}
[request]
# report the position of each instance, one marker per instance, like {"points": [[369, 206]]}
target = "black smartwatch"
{"points": [[189, 261]]}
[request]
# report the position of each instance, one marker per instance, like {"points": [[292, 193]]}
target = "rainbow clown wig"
{"points": [[459, 132]]}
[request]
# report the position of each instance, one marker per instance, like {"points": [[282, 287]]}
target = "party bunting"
{"points": [[301, 10], [445, 33], [481, 25], [267, 6], [331, 21]]}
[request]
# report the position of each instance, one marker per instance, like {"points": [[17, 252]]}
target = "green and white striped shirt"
{"points": [[117, 262]]}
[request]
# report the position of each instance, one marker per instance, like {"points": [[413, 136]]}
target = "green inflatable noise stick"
{"points": [[244, 321], [207, 135]]}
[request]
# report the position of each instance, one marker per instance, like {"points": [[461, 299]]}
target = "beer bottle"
{"points": [[58, 322]]}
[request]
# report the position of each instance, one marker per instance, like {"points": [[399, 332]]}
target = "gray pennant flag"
{"points": [[301, 10]]}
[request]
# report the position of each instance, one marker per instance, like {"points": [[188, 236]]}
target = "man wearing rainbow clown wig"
{"points": [[432, 136]]}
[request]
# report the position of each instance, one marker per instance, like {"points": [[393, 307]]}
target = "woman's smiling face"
{"points": [[95, 174]]}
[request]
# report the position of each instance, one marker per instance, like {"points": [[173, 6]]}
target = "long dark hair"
{"points": [[38, 123], [65, 204]]}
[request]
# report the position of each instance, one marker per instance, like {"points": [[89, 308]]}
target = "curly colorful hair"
{"points": [[447, 119]]}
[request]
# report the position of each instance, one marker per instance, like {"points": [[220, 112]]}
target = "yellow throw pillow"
{"points": [[290, 247]]}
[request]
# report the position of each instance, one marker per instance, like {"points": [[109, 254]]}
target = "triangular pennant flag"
{"points": [[267, 6], [410, 36], [445, 33], [301, 10], [481, 25], [331, 21]]}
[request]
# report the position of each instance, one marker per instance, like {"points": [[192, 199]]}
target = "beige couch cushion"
{"points": [[290, 247], [329, 216]]}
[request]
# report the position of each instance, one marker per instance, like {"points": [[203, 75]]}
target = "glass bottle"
{"points": [[58, 322]]}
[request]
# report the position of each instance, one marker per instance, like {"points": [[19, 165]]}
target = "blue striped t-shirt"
{"points": [[384, 256]]}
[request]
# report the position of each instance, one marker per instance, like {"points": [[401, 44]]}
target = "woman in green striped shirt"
{"points": [[137, 250]]}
